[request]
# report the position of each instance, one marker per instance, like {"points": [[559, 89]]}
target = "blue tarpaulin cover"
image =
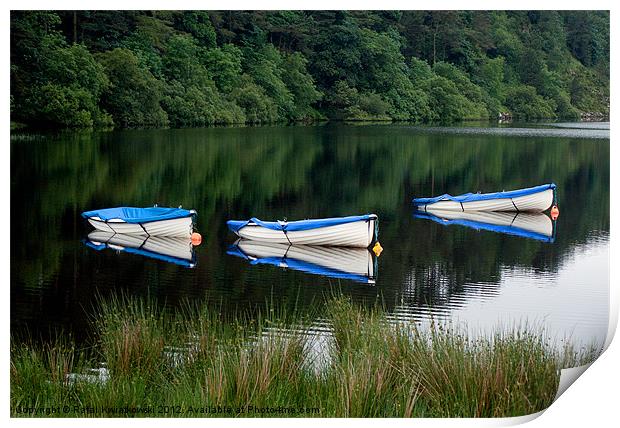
{"points": [[138, 215], [471, 197], [299, 265], [235, 225], [146, 253], [478, 225]]}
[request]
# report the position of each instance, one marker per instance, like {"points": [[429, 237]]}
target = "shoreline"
{"points": [[190, 363], [18, 128]]}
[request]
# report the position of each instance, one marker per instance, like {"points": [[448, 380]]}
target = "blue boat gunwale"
{"points": [[141, 222], [473, 197], [298, 225], [105, 215]]}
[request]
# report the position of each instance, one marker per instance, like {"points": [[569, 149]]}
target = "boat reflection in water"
{"points": [[171, 249], [527, 225], [356, 264]]}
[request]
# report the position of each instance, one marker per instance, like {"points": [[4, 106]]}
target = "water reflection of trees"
{"points": [[294, 172]]}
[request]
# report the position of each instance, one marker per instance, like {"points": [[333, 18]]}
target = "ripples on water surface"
{"points": [[472, 276]]}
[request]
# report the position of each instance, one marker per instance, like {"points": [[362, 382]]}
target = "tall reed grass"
{"points": [[190, 362]]}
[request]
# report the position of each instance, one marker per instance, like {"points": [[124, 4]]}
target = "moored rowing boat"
{"points": [[352, 231], [151, 221], [532, 199]]}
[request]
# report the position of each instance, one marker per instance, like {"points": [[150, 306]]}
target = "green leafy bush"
{"points": [[133, 97], [525, 103]]}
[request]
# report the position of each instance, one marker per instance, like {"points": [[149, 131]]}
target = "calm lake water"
{"points": [[430, 268]]}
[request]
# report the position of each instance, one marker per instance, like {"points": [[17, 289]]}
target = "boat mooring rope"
{"points": [[142, 226], [108, 224], [283, 226], [286, 236], [514, 218]]}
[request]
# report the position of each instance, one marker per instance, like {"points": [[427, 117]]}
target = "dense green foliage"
{"points": [[189, 362], [185, 68]]}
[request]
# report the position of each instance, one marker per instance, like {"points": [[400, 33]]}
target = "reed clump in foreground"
{"points": [[191, 363]]}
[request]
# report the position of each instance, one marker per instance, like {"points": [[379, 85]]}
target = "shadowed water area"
{"points": [[428, 269]]}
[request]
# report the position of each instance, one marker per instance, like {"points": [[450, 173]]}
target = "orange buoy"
{"points": [[555, 212], [196, 239], [377, 249]]}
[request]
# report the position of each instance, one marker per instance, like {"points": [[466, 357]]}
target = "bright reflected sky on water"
{"points": [[530, 298]]}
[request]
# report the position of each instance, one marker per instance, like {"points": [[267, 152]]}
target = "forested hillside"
{"points": [[196, 68]]}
